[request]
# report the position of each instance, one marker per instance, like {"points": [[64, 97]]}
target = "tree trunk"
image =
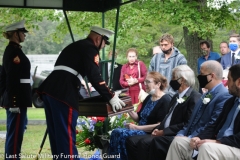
{"points": [[193, 51]]}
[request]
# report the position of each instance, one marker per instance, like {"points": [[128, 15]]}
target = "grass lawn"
{"points": [[33, 137], [32, 113], [31, 143]]}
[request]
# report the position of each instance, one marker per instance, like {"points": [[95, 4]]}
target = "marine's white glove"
{"points": [[116, 103], [14, 110], [142, 95]]}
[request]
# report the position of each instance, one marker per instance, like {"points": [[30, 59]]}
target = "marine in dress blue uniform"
{"points": [[60, 90], [15, 88]]}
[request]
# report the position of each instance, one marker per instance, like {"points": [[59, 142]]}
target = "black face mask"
{"points": [[175, 84], [167, 51], [203, 81]]}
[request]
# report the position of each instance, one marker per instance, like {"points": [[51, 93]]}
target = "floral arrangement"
{"points": [[181, 100], [92, 132], [207, 98]]}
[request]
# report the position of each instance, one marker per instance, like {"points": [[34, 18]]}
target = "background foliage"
{"points": [[140, 25]]}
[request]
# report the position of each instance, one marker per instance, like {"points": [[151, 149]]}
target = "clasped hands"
{"points": [[131, 81], [196, 142]]}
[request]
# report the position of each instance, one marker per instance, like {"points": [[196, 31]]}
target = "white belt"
{"points": [[25, 81], [65, 68]]}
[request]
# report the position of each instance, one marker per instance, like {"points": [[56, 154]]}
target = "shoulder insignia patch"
{"points": [[16, 60], [96, 59]]}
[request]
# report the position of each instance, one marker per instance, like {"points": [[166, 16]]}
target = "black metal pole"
{"points": [[42, 144], [114, 46], [68, 24]]}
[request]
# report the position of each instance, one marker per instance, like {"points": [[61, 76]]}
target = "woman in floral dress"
{"points": [[153, 111]]}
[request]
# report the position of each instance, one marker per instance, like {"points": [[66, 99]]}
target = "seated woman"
{"points": [[153, 111]]}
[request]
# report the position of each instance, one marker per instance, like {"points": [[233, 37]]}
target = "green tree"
{"points": [[142, 23], [200, 19]]}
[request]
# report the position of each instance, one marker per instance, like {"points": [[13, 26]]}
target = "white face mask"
{"points": [[152, 91]]}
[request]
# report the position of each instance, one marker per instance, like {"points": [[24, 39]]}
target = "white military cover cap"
{"points": [[18, 26], [103, 32]]}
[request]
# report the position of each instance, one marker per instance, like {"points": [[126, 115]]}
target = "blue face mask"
{"points": [[233, 46]]}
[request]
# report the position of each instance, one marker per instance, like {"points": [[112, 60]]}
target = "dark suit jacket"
{"points": [[116, 76], [226, 60], [181, 113], [159, 111], [211, 131], [211, 112]]}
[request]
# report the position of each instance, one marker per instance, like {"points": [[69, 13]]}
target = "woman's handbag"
{"points": [[142, 94]]}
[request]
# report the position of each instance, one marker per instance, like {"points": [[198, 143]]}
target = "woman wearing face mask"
{"points": [[130, 77], [153, 111]]}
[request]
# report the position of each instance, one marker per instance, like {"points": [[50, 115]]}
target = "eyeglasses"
{"points": [[147, 82]]}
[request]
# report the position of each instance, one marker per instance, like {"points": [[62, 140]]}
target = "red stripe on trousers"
{"points": [[69, 131], [16, 135]]}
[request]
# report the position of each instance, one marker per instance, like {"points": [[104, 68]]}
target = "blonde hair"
{"points": [[8, 35]]}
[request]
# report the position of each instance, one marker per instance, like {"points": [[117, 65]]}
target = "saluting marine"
{"points": [[60, 90], [15, 87]]}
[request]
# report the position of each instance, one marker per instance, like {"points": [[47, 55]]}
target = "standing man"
{"points": [[116, 72], [15, 88], [205, 112], [232, 57], [169, 58], [221, 140], [206, 54], [60, 90], [224, 49]]}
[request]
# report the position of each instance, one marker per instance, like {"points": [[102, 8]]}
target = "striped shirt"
{"points": [[158, 63]]}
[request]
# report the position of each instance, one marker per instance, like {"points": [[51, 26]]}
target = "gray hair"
{"points": [[185, 72], [214, 67]]}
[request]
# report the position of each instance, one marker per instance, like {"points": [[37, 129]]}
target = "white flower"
{"points": [[112, 119], [110, 132], [115, 65], [237, 56], [180, 100], [206, 100]]}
